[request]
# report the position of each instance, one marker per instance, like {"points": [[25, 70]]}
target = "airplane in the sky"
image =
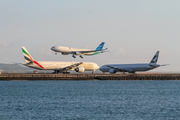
{"points": [[57, 66], [77, 51], [131, 68]]}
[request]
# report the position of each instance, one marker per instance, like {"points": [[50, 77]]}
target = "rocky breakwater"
{"points": [[23, 76], [138, 77]]}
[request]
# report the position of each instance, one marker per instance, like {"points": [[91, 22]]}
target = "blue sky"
{"points": [[132, 29]]}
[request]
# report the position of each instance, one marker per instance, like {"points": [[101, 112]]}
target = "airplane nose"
{"points": [[100, 68], [53, 48]]}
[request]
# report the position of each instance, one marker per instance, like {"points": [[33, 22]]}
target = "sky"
{"points": [[133, 30]]}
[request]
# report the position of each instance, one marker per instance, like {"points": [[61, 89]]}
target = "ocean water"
{"points": [[89, 100]]}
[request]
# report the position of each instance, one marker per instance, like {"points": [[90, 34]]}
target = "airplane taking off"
{"points": [[77, 51], [58, 67], [131, 68]]}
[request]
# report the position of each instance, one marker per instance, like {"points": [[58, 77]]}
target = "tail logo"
{"points": [[155, 58], [28, 58], [100, 46]]}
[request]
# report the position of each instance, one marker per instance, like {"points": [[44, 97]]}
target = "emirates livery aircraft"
{"points": [[58, 67], [77, 51], [132, 68]]}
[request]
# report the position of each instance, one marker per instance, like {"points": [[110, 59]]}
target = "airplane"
{"points": [[57, 66], [77, 51], [131, 68]]}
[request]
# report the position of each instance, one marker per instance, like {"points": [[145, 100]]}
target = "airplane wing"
{"points": [[120, 70], [117, 69], [69, 67], [73, 52]]}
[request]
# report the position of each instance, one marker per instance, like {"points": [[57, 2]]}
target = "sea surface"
{"points": [[90, 100]]}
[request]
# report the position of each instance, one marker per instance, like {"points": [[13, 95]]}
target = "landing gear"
{"points": [[55, 72], [132, 73], [55, 53], [66, 72], [93, 72], [81, 56], [73, 56]]}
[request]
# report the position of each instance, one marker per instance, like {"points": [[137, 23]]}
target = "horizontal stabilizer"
{"points": [[104, 49], [165, 65]]}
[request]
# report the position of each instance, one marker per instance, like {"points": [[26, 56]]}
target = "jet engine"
{"points": [[112, 71], [79, 69], [65, 53]]}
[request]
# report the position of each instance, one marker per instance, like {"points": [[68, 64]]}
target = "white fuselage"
{"points": [[48, 65], [129, 67], [70, 50], [67, 49]]}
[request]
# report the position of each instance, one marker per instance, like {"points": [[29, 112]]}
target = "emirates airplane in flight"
{"points": [[57, 66], [132, 68], [77, 51]]}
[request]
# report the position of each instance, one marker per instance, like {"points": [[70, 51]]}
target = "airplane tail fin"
{"points": [[155, 58], [27, 56], [100, 47]]}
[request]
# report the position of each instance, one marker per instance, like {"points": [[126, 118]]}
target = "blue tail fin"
{"points": [[100, 47]]}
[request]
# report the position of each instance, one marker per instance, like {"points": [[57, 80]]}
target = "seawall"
{"points": [[29, 76]]}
